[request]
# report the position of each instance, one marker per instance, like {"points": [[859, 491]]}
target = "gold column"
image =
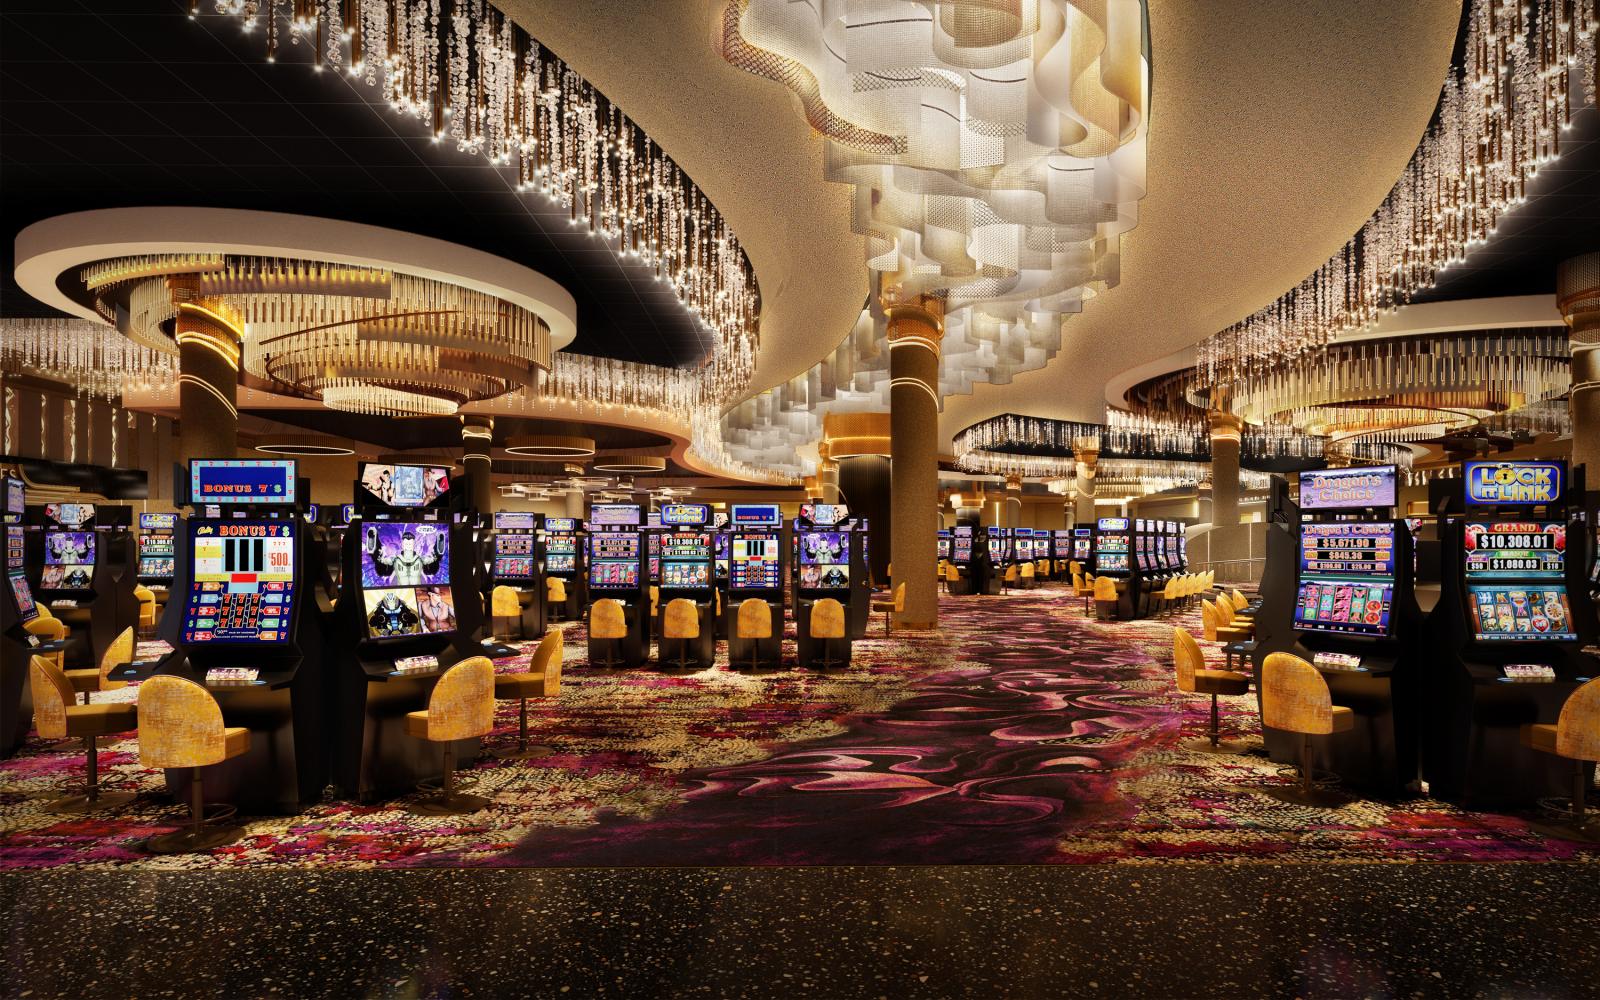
{"points": [[915, 330], [827, 475], [1013, 518], [1086, 453], [1578, 297], [477, 434], [1226, 432], [574, 505], [209, 335]]}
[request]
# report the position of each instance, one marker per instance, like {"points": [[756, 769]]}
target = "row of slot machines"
{"points": [[1141, 555], [1438, 696], [981, 553]]}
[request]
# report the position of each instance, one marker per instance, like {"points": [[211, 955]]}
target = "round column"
{"points": [[828, 479], [1013, 518], [208, 336], [1226, 432], [915, 330], [574, 505], [477, 434], [1578, 297], [1086, 457]]}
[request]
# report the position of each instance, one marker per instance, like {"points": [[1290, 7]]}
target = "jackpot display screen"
{"points": [[1520, 613], [241, 582], [754, 562], [1347, 548], [405, 579], [561, 545], [1515, 550], [16, 547]]}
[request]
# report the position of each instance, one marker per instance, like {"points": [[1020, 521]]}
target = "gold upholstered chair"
{"points": [[680, 623], [1009, 577], [181, 728], [555, 597], [655, 609], [57, 716], [952, 575], [1195, 678], [1576, 737], [1027, 576], [147, 609], [461, 707], [827, 624], [609, 623], [1105, 597], [1082, 588], [1295, 698], [542, 679], [753, 621], [91, 679], [505, 612], [890, 606], [48, 630]]}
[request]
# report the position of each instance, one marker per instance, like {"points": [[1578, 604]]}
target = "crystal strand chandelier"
{"points": [[1528, 65], [92, 357]]}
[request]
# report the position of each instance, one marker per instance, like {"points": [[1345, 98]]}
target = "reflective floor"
{"points": [[1498, 930]]}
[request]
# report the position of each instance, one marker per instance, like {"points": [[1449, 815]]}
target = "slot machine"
{"points": [[157, 549], [1083, 548], [721, 539], [618, 570], [17, 608], [516, 563], [243, 623], [1113, 556], [829, 562], [1060, 553], [1510, 631], [409, 609], [1143, 576], [997, 543], [1354, 616], [944, 544], [688, 553], [86, 573], [561, 541], [755, 570], [970, 558]]}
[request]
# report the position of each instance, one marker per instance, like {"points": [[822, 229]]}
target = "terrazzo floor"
{"points": [[1454, 930]]}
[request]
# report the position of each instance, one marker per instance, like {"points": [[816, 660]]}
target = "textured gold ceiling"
{"points": [[1276, 128]]}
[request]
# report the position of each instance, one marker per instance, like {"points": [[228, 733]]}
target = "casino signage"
{"points": [[1348, 489], [1517, 483]]}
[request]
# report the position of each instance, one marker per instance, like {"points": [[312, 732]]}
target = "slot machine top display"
{"points": [[403, 487], [753, 547], [1516, 566], [1357, 488]]}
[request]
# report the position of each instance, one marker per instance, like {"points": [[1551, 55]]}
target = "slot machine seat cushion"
{"points": [[504, 603], [91, 679], [180, 726], [555, 590], [542, 679], [607, 620], [56, 714], [1105, 588], [682, 620], [827, 619], [1296, 699], [461, 705], [1193, 675], [755, 619], [1576, 734]]}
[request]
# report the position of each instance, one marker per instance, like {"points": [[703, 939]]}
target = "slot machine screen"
{"points": [[944, 546], [241, 582], [513, 520], [1346, 578], [405, 485], [614, 560], [561, 545], [405, 579], [1520, 612], [824, 514], [16, 503], [513, 567], [1082, 543], [68, 561], [70, 516], [1516, 550], [685, 574], [513, 545], [963, 548], [27, 610], [560, 562], [754, 563]]}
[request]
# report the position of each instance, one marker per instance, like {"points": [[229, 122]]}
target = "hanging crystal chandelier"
{"points": [[479, 81], [1528, 65], [93, 358]]}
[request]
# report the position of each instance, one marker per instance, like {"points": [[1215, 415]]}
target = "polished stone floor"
{"points": [[1196, 930]]}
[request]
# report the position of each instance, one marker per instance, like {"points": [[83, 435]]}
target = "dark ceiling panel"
{"points": [[130, 103]]}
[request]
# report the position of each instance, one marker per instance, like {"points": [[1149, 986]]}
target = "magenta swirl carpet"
{"points": [[1021, 733]]}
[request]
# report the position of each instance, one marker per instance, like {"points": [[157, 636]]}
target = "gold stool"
{"points": [[147, 609], [555, 597], [1295, 698], [1194, 678], [541, 680], [890, 606], [1575, 736], [180, 726], [461, 707], [681, 622], [754, 622], [827, 622], [607, 621], [91, 679], [57, 715]]}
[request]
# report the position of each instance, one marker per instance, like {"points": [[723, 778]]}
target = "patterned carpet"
{"points": [[1022, 732]]}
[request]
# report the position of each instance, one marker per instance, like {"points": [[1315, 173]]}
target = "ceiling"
{"points": [[107, 105]]}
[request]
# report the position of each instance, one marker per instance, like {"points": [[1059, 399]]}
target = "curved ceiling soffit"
{"points": [[745, 144], [1276, 132]]}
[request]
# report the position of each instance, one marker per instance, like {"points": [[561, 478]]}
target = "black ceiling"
{"points": [[131, 103]]}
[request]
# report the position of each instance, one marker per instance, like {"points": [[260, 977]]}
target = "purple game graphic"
{"points": [[405, 555]]}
